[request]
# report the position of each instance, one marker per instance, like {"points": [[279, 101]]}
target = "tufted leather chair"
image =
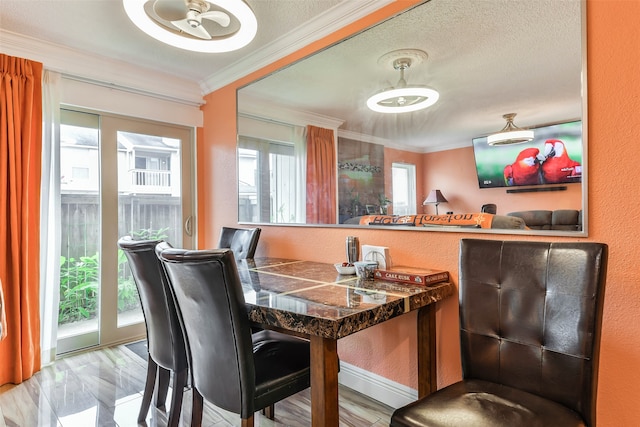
{"points": [[232, 368], [489, 208], [165, 341], [530, 320], [242, 241]]}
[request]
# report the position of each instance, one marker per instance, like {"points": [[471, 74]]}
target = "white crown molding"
{"points": [[263, 110], [323, 25], [452, 146], [357, 136], [98, 69], [127, 76]]}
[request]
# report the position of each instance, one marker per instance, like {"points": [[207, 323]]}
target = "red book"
{"points": [[415, 275]]}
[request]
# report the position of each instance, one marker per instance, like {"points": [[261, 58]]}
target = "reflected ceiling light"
{"points": [[403, 98], [211, 26], [510, 134]]}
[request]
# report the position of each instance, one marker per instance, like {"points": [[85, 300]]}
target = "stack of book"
{"points": [[415, 275]]}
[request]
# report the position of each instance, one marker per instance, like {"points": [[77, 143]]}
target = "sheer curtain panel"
{"points": [[50, 217], [20, 156]]}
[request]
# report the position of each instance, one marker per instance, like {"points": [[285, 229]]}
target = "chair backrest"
{"points": [[489, 208], [211, 302], [242, 241], [164, 334], [530, 317]]}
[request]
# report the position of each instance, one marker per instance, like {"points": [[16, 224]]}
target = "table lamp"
{"points": [[435, 198]]}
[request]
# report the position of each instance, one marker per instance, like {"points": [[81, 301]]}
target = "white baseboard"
{"points": [[376, 387]]}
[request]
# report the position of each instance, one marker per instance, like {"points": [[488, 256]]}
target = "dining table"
{"points": [[311, 299]]}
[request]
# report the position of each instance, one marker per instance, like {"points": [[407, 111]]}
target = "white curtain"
{"points": [[50, 216], [299, 137]]}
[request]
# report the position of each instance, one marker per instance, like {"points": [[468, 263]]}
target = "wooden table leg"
{"points": [[324, 382], [427, 380]]}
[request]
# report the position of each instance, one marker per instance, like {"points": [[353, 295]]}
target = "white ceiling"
{"points": [[523, 54], [81, 32], [486, 58]]}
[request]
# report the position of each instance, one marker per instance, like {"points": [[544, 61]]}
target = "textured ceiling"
{"points": [[102, 27], [486, 57]]}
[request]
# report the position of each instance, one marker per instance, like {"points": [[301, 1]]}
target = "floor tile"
{"points": [[103, 388]]}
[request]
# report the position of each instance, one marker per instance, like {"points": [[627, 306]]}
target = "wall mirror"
{"points": [[485, 59]]}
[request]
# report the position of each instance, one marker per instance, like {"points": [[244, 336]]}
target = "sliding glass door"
{"points": [[119, 176]]}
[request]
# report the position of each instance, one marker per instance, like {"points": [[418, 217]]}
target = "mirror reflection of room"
{"points": [[386, 164]]}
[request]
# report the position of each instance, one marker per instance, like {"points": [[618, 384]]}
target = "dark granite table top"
{"points": [[312, 298]]}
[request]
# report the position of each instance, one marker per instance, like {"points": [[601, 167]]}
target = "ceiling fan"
{"points": [[403, 98], [191, 13]]}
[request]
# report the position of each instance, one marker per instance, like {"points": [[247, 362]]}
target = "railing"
{"points": [[150, 181]]}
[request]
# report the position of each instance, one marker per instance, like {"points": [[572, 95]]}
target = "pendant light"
{"points": [[403, 98], [510, 134]]}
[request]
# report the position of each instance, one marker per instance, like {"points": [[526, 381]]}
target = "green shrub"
{"points": [[78, 288], [79, 280]]}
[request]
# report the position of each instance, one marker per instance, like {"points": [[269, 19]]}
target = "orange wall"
{"points": [[614, 131], [454, 173]]}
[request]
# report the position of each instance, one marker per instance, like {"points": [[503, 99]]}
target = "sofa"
{"points": [[560, 219], [465, 220]]}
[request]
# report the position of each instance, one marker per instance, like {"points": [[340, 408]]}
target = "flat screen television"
{"points": [[554, 156]]}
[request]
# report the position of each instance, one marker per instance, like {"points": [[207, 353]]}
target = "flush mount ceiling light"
{"points": [[211, 26], [510, 134], [403, 98]]}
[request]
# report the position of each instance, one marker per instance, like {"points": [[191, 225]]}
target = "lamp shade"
{"points": [[510, 134], [435, 197]]}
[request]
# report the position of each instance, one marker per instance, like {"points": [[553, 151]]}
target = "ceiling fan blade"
{"points": [[197, 31], [217, 16], [410, 100], [170, 10]]}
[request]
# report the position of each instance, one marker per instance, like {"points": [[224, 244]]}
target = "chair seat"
{"points": [[281, 365], [484, 404]]}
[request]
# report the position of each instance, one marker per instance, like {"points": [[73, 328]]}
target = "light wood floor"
{"points": [[104, 388]]}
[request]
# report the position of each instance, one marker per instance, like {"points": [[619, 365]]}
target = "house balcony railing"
{"points": [[150, 181]]}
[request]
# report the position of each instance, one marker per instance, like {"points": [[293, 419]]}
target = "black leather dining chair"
{"points": [[489, 208], [242, 241], [232, 368], [530, 321], [165, 341]]}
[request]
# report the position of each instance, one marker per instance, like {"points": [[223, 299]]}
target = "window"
{"points": [[267, 182], [404, 188], [79, 173]]}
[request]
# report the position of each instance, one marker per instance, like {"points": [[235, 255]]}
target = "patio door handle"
{"points": [[188, 225]]}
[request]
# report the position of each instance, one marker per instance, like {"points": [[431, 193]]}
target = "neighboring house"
{"points": [[147, 164], [148, 187]]}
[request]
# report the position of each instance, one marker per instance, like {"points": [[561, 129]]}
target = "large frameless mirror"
{"points": [[312, 151]]}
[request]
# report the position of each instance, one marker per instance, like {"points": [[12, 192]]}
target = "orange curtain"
{"points": [[20, 156], [321, 176]]}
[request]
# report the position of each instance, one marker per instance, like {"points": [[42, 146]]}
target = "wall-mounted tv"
{"points": [[554, 156]]}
